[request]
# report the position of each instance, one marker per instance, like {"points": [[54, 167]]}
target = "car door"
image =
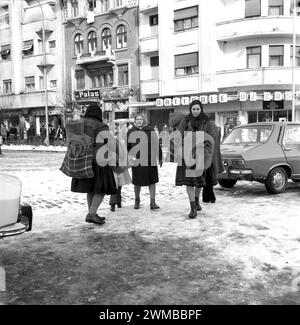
{"points": [[291, 147]]}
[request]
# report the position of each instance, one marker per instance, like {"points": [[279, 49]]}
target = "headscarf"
{"points": [[94, 111], [198, 120]]}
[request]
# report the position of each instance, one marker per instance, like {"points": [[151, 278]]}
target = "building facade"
{"points": [[102, 54], [235, 56], [25, 64]]}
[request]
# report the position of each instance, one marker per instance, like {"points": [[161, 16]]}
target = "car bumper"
{"points": [[237, 174]]}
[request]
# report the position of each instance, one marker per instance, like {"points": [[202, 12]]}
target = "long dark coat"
{"points": [[103, 182], [146, 175], [210, 175]]}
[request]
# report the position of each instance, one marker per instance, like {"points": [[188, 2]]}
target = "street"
{"points": [[242, 250]]}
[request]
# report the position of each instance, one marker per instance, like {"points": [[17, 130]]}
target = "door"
{"points": [[291, 147]]}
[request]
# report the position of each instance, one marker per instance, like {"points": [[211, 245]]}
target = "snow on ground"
{"points": [[256, 232]]}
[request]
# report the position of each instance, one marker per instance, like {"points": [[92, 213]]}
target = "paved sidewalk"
{"points": [[26, 147]]}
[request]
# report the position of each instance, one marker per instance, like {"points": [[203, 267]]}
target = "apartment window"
{"points": [[101, 78], [29, 84], [118, 3], [297, 56], [40, 46], [185, 19], [78, 44], [92, 42], [153, 20], [121, 37], [5, 52], [53, 83], [92, 4], [41, 83], [75, 11], [253, 57], [276, 55], [80, 79], [275, 7], [186, 64], [106, 38], [154, 61], [123, 75], [4, 16], [105, 5], [52, 44], [7, 86], [27, 48], [252, 8]]}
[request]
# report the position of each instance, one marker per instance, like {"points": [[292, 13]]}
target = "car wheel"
{"points": [[228, 183], [276, 181]]}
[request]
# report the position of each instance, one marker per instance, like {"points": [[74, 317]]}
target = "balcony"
{"points": [[149, 87], [28, 100], [50, 60], [149, 45], [271, 77], [256, 27], [148, 7], [98, 56], [49, 27]]}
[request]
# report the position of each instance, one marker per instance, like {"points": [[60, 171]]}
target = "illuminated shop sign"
{"points": [[225, 98]]}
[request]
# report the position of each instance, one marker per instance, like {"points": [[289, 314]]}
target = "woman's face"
{"points": [[139, 121], [196, 110]]}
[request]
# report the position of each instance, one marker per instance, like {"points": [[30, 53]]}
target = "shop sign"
{"points": [[87, 95], [224, 98]]}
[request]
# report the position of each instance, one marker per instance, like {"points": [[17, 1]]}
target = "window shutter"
{"points": [[186, 13], [186, 60]]}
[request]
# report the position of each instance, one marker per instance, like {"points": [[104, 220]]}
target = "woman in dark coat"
{"points": [[103, 181], [145, 175], [198, 121]]}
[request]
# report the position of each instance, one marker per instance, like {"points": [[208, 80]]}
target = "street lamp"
{"points": [[45, 74]]}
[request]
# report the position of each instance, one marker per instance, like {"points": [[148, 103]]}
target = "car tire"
{"points": [[276, 181], [228, 183]]}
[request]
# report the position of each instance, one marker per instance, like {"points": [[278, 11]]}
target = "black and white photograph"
{"points": [[150, 155]]}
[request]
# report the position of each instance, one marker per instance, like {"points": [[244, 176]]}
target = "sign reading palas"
{"points": [[224, 98]]}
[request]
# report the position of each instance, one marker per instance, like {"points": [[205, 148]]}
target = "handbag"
{"points": [[78, 161]]}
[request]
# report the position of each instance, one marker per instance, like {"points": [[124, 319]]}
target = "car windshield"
{"points": [[249, 134]]}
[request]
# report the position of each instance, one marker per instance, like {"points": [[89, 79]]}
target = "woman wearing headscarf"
{"points": [[145, 175], [103, 181], [198, 121]]}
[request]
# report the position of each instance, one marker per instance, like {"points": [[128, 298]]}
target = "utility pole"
{"points": [[45, 74], [294, 61]]}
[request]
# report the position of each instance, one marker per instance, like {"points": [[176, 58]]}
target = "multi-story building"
{"points": [[24, 65], [236, 56], [102, 54]]}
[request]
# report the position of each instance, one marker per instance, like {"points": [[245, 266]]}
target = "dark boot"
{"points": [[193, 213], [208, 194], [198, 204], [153, 205], [137, 203], [112, 207], [94, 218]]}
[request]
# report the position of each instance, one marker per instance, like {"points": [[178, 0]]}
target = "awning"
{"points": [[27, 48]]}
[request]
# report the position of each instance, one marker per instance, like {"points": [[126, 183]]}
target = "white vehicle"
{"points": [[15, 218]]}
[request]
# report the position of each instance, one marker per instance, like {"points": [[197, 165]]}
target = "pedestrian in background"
{"points": [[145, 175], [103, 182]]}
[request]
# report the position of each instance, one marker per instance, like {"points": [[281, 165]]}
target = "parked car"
{"points": [[15, 218], [268, 153]]}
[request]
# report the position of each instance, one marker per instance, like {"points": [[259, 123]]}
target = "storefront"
{"points": [[228, 108]]}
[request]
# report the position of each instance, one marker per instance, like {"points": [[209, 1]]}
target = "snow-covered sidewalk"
{"points": [[39, 148]]}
